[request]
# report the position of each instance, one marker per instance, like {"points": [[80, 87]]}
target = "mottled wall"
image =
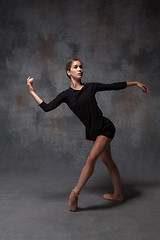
{"points": [[116, 41]]}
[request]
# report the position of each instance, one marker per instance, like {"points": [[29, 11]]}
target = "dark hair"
{"points": [[69, 64]]}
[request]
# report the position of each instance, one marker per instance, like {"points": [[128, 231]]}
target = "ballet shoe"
{"points": [[114, 197], [73, 200]]}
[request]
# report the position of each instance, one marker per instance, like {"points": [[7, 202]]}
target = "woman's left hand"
{"points": [[144, 88]]}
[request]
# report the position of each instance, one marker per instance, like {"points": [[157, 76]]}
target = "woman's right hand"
{"points": [[30, 83]]}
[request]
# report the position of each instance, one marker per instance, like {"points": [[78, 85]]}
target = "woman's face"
{"points": [[76, 70]]}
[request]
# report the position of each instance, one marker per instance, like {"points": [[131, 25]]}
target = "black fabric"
{"points": [[83, 103]]}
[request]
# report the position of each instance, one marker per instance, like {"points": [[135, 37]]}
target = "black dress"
{"points": [[83, 103]]}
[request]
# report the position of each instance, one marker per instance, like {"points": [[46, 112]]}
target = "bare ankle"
{"points": [[77, 190], [118, 193]]}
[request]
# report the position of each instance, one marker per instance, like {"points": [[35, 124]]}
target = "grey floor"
{"points": [[34, 205]]}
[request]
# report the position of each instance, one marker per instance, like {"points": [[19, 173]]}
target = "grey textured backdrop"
{"points": [[116, 41]]}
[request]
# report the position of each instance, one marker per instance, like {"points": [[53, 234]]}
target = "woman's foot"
{"points": [[73, 199], [114, 197]]}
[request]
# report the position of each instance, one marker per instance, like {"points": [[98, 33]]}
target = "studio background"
{"points": [[116, 41], [42, 154]]}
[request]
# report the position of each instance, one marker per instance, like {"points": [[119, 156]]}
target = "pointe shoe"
{"points": [[114, 197], [73, 200]]}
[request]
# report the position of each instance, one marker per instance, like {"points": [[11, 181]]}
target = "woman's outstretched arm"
{"points": [[140, 85], [117, 86], [45, 106]]}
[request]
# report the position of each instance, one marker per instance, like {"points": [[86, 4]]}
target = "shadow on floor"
{"points": [[128, 195], [131, 189], [129, 192]]}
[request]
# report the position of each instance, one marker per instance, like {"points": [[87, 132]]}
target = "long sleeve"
{"points": [[54, 103], [112, 86]]}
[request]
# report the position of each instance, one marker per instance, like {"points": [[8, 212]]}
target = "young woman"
{"points": [[81, 100]]}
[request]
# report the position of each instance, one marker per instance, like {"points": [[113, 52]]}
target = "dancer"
{"points": [[80, 98]]}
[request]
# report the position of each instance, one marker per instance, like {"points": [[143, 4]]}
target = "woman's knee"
{"points": [[107, 158], [91, 160], [99, 144]]}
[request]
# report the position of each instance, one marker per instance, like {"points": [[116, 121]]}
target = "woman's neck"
{"points": [[76, 85]]}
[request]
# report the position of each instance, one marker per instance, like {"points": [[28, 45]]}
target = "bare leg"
{"points": [[114, 175], [99, 145]]}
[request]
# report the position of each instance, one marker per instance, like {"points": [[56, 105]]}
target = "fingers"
{"points": [[30, 80], [30, 83], [145, 89]]}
